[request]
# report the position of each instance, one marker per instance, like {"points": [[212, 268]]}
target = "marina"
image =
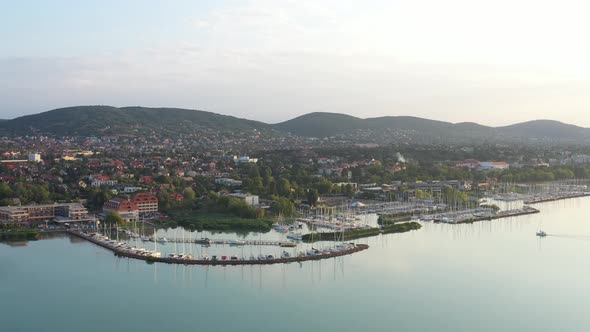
{"points": [[123, 250]]}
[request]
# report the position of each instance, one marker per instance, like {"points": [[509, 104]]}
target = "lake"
{"points": [[487, 276]]}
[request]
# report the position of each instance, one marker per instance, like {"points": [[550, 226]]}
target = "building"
{"points": [[228, 182], [123, 207], [43, 212], [249, 199], [485, 165], [102, 180], [129, 190], [245, 160], [146, 203], [35, 157], [469, 163]]}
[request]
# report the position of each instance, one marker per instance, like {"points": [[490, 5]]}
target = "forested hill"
{"points": [[108, 120], [331, 124], [105, 120]]}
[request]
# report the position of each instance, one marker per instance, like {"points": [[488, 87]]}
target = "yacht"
{"points": [[295, 236]]}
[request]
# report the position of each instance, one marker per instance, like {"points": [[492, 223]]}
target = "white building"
{"points": [[35, 157], [129, 190], [244, 160], [249, 199], [228, 182]]}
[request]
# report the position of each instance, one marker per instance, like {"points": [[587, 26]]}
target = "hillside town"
{"points": [[48, 179]]}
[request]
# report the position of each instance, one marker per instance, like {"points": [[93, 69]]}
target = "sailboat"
{"points": [[174, 254]]}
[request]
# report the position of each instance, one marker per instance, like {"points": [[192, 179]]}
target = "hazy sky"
{"points": [[494, 62]]}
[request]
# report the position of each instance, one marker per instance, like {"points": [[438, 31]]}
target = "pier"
{"points": [[347, 250], [230, 242]]}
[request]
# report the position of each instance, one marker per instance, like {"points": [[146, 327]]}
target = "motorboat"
{"points": [[295, 236], [541, 234]]}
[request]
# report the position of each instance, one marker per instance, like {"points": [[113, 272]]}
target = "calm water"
{"points": [[489, 276]]}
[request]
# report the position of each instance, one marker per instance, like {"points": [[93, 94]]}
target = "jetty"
{"points": [[122, 251], [229, 242], [554, 197]]}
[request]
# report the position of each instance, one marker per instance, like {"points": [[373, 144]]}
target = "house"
{"points": [[177, 197], [145, 179]]}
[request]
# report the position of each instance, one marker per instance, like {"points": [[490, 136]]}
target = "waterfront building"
{"points": [[124, 207], [43, 212], [146, 203]]}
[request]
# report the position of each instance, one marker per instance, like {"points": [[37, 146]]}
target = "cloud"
{"points": [[272, 60]]}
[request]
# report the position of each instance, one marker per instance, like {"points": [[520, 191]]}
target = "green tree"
{"points": [[5, 191], [189, 194], [284, 187], [113, 218], [312, 196], [282, 206]]}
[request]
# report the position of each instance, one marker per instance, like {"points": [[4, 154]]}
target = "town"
{"points": [[235, 185]]}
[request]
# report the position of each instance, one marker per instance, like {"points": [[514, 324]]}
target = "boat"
{"points": [[312, 252], [236, 243], [280, 227], [541, 234], [295, 236]]}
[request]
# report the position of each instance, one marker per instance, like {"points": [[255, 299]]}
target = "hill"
{"points": [[417, 129], [103, 120], [320, 124], [108, 120], [545, 129]]}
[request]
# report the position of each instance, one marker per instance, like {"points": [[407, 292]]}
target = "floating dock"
{"points": [[170, 260]]}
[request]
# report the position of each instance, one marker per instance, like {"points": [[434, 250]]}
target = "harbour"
{"points": [[427, 280], [152, 256]]}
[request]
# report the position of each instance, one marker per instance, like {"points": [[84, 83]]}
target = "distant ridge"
{"points": [[108, 120], [331, 124], [101, 120]]}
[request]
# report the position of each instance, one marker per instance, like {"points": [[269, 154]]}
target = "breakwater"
{"points": [[361, 233], [526, 210], [346, 250], [555, 197]]}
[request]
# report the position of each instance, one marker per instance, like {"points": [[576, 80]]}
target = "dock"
{"points": [[230, 242], [351, 249]]}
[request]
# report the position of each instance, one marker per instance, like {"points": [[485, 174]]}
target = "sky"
{"points": [[492, 62]]}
